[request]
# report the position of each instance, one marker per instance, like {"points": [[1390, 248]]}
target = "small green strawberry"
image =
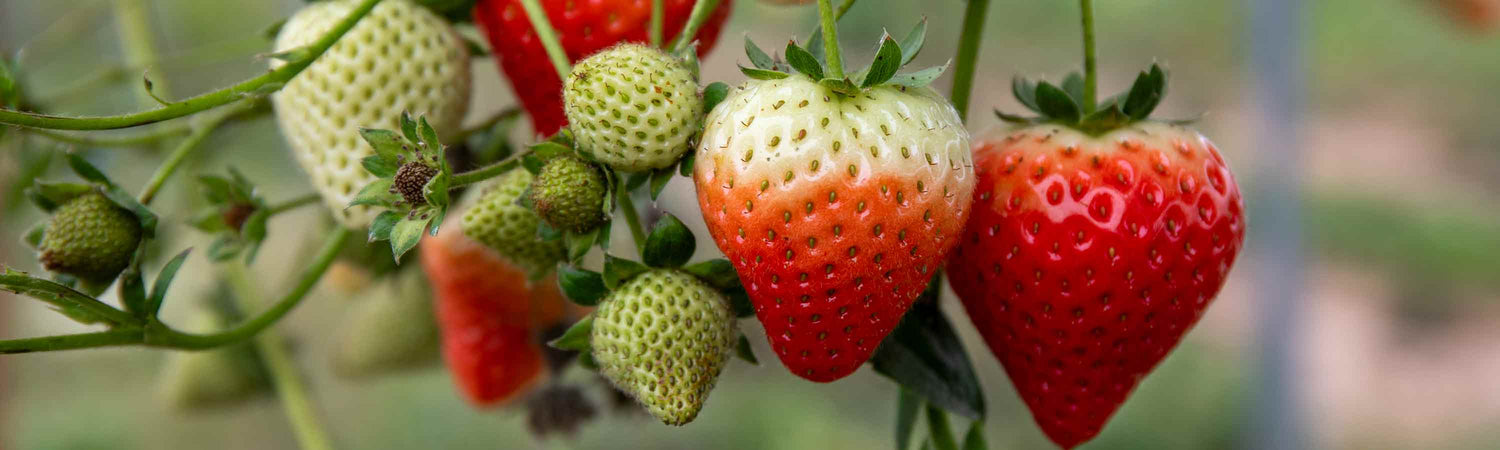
{"points": [[633, 107], [91, 238], [569, 194], [392, 331], [499, 222], [663, 337]]}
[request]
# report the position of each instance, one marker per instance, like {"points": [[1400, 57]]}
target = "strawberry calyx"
{"points": [[810, 60], [412, 184], [1063, 105]]}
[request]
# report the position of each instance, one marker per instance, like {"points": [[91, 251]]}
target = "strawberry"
{"points": [[401, 57], [91, 238], [569, 194], [663, 338], [496, 220], [1477, 15], [392, 329], [220, 377], [1097, 240], [835, 198], [584, 27], [491, 316], [633, 107]]}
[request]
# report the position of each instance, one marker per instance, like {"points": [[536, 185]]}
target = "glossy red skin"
{"points": [[1075, 326], [491, 318], [584, 27]]}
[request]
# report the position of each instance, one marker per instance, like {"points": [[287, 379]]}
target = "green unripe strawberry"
{"points": [[90, 238], [663, 337], [392, 330], [499, 222], [633, 107], [569, 194]]}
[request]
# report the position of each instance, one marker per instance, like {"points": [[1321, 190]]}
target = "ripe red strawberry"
{"points": [[1095, 243], [492, 317], [584, 27], [1477, 15], [835, 204]]}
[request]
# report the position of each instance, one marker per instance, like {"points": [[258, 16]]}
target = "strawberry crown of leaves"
{"points": [[224, 195], [420, 140], [1063, 105], [810, 60]]}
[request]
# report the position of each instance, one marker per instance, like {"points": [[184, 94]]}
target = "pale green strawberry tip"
{"points": [[569, 194], [499, 222], [633, 107], [663, 338], [90, 238]]}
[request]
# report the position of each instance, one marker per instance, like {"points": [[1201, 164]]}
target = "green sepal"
{"points": [[132, 287], [579, 243], [802, 61], [714, 94], [143, 214], [586, 360], [546, 233], [908, 405], [270, 31], [912, 44], [1146, 93], [1056, 103], [844, 86], [670, 244], [577, 336], [406, 233], [659, 179], [409, 128], [254, 233], [685, 167], [429, 135], [49, 196], [377, 193], [636, 180], [1062, 105], [1073, 85], [920, 78], [619, 270], [605, 230], [744, 351], [974, 439], [164, 281], [887, 62], [386, 143], [762, 74], [758, 57], [86, 170], [718, 273], [689, 57], [1025, 92], [224, 248], [378, 166], [34, 235], [582, 286], [380, 228], [739, 301]]}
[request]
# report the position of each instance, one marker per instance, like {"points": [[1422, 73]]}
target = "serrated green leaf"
{"points": [[924, 354], [718, 273], [920, 78], [758, 57], [409, 128], [670, 244], [912, 43], [887, 62], [841, 86], [619, 270], [579, 244], [1073, 85], [802, 61], [406, 234], [908, 405], [659, 179], [387, 144], [377, 193], [577, 336], [1056, 103], [744, 351], [85, 170], [584, 287], [380, 228], [1025, 92], [762, 74], [164, 280]]}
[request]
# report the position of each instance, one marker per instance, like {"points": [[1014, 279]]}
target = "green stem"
{"points": [[702, 9], [158, 334], [264, 84], [115, 337], [939, 430], [135, 140], [968, 55], [1090, 66], [285, 376], [486, 172], [548, 36], [293, 204], [64, 297], [656, 22], [138, 43], [632, 217], [831, 39], [185, 148], [466, 133], [844, 8]]}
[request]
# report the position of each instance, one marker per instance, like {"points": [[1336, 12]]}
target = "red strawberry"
{"points": [[1090, 253], [1477, 15], [584, 27], [835, 206], [491, 316]]}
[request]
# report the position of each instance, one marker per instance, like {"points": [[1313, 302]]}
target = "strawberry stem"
{"points": [[632, 217], [831, 39], [1090, 66], [968, 56], [186, 147], [548, 36], [656, 23], [701, 10]]}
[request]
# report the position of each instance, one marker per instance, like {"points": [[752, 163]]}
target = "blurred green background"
{"points": [[1399, 338]]}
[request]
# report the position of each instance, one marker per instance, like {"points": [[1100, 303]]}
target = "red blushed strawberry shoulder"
{"points": [[833, 268], [1086, 260]]}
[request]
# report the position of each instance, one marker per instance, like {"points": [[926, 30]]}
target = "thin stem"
{"points": [[1090, 66], [656, 22], [264, 84], [185, 148], [135, 140], [486, 172], [158, 334], [293, 204], [831, 39], [939, 430], [701, 11], [844, 8], [115, 337], [632, 217], [548, 36], [968, 55], [139, 44], [285, 376], [64, 297]]}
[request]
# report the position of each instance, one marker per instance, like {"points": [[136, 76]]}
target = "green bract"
{"points": [[1063, 105]]}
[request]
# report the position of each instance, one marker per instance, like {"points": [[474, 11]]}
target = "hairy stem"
{"points": [[548, 36], [185, 148], [968, 55], [264, 84], [115, 337], [1090, 66], [831, 39], [285, 376], [702, 9], [657, 14], [632, 217]]}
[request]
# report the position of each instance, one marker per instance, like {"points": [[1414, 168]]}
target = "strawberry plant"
{"points": [[1083, 241]]}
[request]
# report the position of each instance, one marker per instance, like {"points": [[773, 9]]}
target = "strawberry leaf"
{"points": [[758, 57], [802, 61], [619, 270], [924, 354], [584, 287], [887, 62], [1056, 103], [164, 281], [912, 44], [670, 244], [743, 350], [577, 336], [762, 74]]}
